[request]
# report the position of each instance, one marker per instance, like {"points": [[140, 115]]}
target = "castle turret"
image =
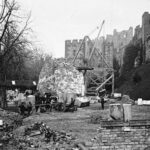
{"points": [[145, 35]]}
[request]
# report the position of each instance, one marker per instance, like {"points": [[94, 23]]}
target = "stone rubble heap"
{"points": [[40, 136], [10, 121], [10, 118], [60, 76]]}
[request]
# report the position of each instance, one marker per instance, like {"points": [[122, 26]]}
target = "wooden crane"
{"points": [[90, 69]]}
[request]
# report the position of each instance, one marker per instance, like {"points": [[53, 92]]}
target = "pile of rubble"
{"points": [[60, 76], [40, 136], [9, 121], [97, 118], [127, 100], [10, 118]]}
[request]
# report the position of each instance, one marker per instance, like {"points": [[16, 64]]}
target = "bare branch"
{"points": [[3, 9], [14, 41], [7, 17], [22, 31]]}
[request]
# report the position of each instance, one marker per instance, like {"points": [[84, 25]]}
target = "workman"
{"points": [[101, 94], [22, 108], [37, 101], [25, 107], [29, 108], [102, 102]]}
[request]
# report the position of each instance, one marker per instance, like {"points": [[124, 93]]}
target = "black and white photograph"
{"points": [[74, 74]]}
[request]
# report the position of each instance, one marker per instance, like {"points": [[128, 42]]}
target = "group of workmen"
{"points": [[58, 102], [47, 102], [42, 102], [25, 107]]}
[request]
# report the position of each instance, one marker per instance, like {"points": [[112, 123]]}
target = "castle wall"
{"points": [[120, 41], [122, 38], [145, 35], [112, 45], [138, 33], [71, 48]]}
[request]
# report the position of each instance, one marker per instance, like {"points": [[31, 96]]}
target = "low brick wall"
{"points": [[124, 138]]}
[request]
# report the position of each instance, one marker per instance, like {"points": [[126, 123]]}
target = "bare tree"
{"points": [[14, 44], [34, 63], [13, 41]]}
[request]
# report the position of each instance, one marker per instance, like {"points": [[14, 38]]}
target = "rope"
{"points": [[90, 33]]}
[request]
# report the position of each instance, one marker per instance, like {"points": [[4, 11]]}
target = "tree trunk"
{"points": [[3, 98]]}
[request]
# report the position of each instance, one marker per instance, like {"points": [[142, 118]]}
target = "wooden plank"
{"points": [[78, 51], [96, 40], [43, 105], [93, 80], [104, 82]]}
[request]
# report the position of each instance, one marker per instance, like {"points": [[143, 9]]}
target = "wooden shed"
{"points": [[22, 85]]}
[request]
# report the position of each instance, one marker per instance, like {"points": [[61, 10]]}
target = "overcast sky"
{"points": [[55, 21]]}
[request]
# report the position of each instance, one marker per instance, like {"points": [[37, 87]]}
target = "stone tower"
{"points": [[72, 47], [146, 36]]}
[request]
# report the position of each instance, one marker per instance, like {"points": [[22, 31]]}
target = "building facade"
{"points": [[109, 47]]}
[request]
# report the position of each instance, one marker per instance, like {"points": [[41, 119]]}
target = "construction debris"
{"points": [[140, 101], [40, 136], [35, 136], [82, 101], [9, 121], [126, 100], [10, 118], [62, 77]]}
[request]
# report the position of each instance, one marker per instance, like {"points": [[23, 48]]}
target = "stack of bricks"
{"points": [[130, 138]]}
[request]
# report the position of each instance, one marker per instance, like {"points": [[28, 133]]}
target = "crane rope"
{"points": [[90, 33]]}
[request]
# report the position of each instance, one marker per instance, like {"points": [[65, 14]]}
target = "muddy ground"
{"points": [[78, 124]]}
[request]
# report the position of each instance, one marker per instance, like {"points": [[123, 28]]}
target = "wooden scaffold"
{"points": [[89, 69]]}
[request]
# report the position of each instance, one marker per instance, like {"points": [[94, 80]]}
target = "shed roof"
{"points": [[18, 83]]}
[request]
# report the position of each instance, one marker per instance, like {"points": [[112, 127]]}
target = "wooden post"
{"points": [[113, 81], [85, 83], [127, 112], [113, 73], [3, 98]]}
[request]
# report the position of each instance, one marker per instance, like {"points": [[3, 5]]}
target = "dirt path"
{"points": [[77, 123]]}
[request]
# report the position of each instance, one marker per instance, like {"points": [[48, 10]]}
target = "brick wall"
{"points": [[135, 139], [133, 135]]}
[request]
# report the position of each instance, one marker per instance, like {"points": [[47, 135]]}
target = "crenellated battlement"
{"points": [[116, 40], [74, 41]]}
